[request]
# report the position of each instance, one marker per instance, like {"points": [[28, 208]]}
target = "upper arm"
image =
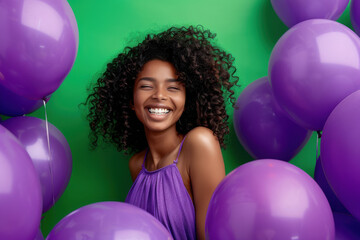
{"points": [[206, 169]]}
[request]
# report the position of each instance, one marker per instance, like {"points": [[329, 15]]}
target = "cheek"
{"points": [[180, 102], [137, 100]]}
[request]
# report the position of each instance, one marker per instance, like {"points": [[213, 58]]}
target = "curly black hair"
{"points": [[206, 71]]}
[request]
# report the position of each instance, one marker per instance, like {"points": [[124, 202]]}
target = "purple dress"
{"points": [[163, 194]]}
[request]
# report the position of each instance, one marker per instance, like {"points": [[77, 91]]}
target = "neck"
{"points": [[162, 144]]}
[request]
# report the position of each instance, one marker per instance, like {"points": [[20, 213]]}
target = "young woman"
{"points": [[164, 100]]}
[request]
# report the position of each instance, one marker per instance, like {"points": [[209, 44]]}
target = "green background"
{"points": [[247, 29]]}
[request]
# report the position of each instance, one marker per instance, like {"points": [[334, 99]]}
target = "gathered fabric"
{"points": [[163, 194]]}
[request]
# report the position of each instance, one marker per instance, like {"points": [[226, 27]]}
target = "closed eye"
{"points": [[145, 87], [173, 88]]}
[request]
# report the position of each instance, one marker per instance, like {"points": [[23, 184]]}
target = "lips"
{"points": [[158, 112]]}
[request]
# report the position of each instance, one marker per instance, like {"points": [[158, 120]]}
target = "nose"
{"points": [[160, 94]]}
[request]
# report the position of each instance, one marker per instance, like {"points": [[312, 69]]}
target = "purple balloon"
{"points": [[292, 12], [13, 105], [346, 227], [320, 178], [109, 221], [39, 236], [20, 193], [38, 46], [314, 66], [340, 155], [355, 15], [269, 199], [54, 171], [263, 128]]}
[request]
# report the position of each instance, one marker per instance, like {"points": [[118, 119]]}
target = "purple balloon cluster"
{"points": [[51, 170], [313, 85], [314, 72], [38, 46], [312, 67], [54, 168]]}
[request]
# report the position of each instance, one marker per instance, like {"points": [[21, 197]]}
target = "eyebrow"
{"points": [[153, 79]]}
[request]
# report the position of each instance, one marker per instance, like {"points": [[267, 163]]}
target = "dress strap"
{"points": [[181, 145], [143, 164]]}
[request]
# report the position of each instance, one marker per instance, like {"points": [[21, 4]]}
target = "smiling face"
{"points": [[159, 98]]}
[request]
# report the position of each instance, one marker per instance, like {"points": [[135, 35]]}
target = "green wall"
{"points": [[247, 29]]}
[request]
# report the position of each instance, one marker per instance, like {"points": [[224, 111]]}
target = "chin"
{"points": [[159, 127]]}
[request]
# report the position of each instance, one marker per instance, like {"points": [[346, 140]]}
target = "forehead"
{"points": [[158, 69]]}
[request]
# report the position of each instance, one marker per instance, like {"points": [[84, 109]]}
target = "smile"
{"points": [[158, 111]]}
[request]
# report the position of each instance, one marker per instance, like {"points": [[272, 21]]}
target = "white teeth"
{"points": [[159, 111]]}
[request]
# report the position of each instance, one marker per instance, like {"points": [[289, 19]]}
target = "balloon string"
{"points": [[49, 155], [318, 136]]}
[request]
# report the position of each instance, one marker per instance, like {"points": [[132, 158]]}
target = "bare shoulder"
{"points": [[201, 138], [135, 164], [206, 170], [202, 147]]}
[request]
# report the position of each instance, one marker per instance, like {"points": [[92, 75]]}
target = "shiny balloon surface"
{"points": [[38, 46], [269, 199]]}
